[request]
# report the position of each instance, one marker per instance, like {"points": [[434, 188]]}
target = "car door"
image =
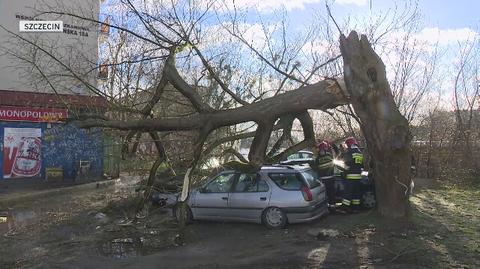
{"points": [[250, 195], [211, 201]]}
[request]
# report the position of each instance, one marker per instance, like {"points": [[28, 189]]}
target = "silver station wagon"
{"points": [[275, 195]]}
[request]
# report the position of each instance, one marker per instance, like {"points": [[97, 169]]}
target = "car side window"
{"points": [[287, 181], [222, 183], [251, 183], [262, 186]]}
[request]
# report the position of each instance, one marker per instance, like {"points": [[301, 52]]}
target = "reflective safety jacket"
{"points": [[324, 164], [353, 159]]}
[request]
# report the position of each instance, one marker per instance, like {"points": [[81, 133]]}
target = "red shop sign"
{"points": [[12, 113]]}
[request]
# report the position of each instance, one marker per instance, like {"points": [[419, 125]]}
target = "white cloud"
{"points": [[446, 36], [253, 33], [351, 2], [317, 46], [270, 5]]}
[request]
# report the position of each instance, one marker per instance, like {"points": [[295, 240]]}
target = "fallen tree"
{"points": [[366, 87]]}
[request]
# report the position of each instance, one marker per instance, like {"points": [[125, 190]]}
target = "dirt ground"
{"points": [[91, 229]]}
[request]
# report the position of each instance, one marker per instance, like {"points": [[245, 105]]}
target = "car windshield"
{"points": [[311, 178]]}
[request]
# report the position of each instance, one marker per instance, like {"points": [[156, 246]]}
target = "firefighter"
{"points": [[325, 169], [353, 159]]}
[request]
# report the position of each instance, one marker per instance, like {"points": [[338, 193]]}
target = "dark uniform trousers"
{"points": [[353, 176]]}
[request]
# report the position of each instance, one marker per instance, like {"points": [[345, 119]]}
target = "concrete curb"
{"points": [[8, 198]]}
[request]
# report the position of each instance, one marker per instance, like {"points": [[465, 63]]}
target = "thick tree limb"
{"points": [[256, 156], [308, 141], [146, 111], [321, 95], [172, 75], [235, 153], [162, 157], [287, 122], [226, 139]]}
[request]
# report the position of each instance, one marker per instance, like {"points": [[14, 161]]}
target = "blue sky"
{"points": [[449, 23], [451, 14], [442, 14], [444, 21], [437, 13]]}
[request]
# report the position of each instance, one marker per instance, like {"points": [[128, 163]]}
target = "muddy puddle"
{"points": [[12, 219], [128, 247]]}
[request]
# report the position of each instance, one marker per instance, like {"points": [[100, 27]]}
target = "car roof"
{"points": [[277, 168], [292, 168]]}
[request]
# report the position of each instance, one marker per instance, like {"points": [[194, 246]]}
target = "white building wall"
{"points": [[77, 46]]}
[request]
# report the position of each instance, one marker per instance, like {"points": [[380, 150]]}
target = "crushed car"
{"points": [[275, 196]]}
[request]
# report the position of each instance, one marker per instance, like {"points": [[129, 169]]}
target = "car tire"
{"points": [[369, 200], [274, 218], [181, 210]]}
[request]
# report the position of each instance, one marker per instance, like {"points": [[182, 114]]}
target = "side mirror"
{"points": [[202, 190]]}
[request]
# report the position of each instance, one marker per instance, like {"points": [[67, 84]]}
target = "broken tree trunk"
{"points": [[385, 129]]}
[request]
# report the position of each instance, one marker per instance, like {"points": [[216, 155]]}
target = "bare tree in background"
{"points": [[466, 100]]}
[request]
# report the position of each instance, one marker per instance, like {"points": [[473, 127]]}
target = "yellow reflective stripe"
{"points": [[355, 202], [357, 158], [325, 165], [354, 176]]}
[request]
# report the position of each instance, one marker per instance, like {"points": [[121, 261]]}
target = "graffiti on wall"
{"points": [[22, 152], [65, 145]]}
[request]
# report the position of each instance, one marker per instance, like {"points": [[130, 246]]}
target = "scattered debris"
{"points": [[123, 240], [438, 237], [125, 222], [101, 218], [321, 232], [165, 199]]}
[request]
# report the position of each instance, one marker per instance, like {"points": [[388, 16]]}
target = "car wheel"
{"points": [[368, 199], [181, 211], [274, 218]]}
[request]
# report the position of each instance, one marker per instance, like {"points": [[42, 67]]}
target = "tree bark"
{"points": [[385, 129], [321, 95]]}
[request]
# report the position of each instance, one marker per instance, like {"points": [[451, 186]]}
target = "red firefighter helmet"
{"points": [[324, 145], [350, 141]]}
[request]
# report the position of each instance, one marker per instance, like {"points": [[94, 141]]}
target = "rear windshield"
{"points": [[311, 177], [294, 156], [287, 181], [300, 155]]}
